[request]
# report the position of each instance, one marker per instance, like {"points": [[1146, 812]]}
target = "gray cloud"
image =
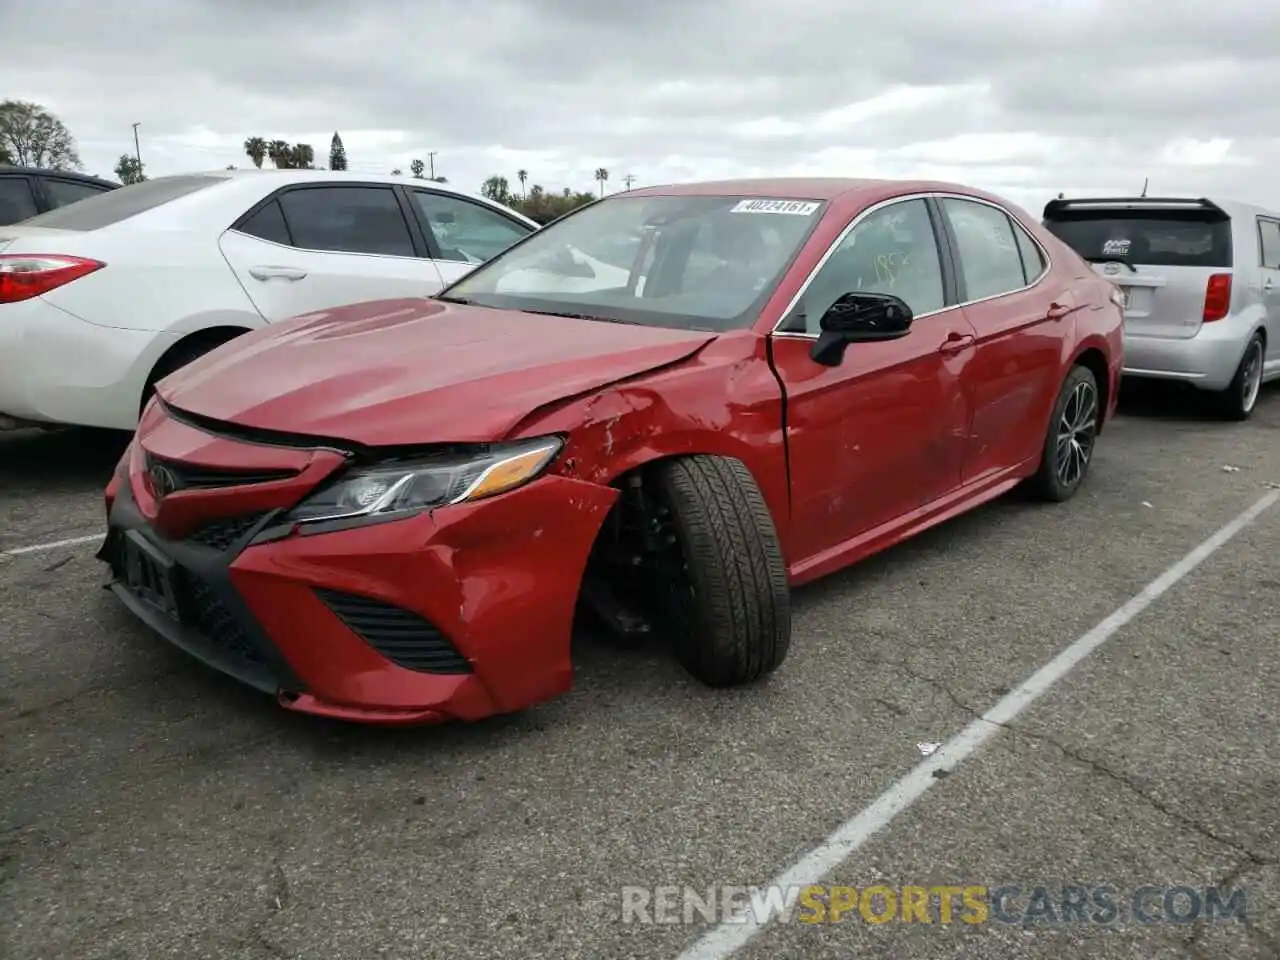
{"points": [[1006, 94]]}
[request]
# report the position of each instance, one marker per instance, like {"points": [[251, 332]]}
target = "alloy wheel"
{"points": [[1251, 381], [1077, 429]]}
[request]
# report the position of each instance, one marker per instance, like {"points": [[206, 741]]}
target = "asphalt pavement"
{"points": [[150, 808]]}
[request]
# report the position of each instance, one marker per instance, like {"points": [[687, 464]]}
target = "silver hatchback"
{"points": [[1201, 284]]}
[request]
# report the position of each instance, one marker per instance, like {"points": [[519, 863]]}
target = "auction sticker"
{"points": [[798, 208]]}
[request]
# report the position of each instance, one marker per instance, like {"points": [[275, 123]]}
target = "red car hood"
{"points": [[415, 371]]}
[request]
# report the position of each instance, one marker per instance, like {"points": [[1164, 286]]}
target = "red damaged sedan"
{"points": [[663, 410]]}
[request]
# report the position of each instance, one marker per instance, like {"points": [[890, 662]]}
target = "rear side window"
{"points": [[63, 192], [1032, 259], [990, 258], [268, 224], [16, 200], [113, 206], [1269, 237], [348, 220], [1157, 238]]}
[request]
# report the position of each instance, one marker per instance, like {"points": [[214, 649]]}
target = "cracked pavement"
{"points": [[152, 809]]}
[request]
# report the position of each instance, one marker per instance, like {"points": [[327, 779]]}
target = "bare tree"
{"points": [[31, 136]]}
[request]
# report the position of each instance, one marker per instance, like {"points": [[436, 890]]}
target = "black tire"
{"points": [[1051, 481], [184, 353], [735, 623], [1240, 399]]}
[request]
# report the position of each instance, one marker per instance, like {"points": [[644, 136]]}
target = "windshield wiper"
{"points": [[462, 300], [571, 316], [1124, 263]]}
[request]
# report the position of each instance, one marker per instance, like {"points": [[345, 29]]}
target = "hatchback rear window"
{"points": [[1177, 237], [93, 213]]}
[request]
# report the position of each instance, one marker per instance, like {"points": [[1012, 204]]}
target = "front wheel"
{"points": [[1069, 441], [729, 600], [1238, 400]]}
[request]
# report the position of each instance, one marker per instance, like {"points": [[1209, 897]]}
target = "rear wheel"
{"points": [[1238, 400], [1069, 441], [729, 604], [181, 354]]}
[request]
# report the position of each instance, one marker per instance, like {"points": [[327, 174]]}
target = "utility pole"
{"points": [[628, 180], [431, 159], [137, 154]]}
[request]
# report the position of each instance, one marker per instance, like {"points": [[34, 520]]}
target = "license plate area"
{"points": [[149, 575], [1137, 300]]}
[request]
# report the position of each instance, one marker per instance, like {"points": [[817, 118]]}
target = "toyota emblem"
{"points": [[163, 480]]}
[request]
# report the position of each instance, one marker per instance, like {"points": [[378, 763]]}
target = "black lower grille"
{"points": [[217, 624], [223, 534], [400, 635]]}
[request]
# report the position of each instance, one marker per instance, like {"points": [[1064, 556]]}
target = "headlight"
{"points": [[436, 481]]}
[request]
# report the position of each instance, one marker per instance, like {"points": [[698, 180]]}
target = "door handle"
{"points": [[277, 273], [956, 342], [1057, 311]]}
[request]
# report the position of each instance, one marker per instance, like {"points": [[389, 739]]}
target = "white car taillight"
{"points": [[27, 275]]}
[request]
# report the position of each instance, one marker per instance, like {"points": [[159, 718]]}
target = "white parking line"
{"points": [[735, 933], [54, 545]]}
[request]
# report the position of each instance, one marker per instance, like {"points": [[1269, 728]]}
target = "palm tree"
{"points": [[255, 149], [281, 154], [416, 167], [302, 157], [522, 176], [602, 175]]}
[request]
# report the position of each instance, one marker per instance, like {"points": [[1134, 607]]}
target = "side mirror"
{"points": [[860, 317]]}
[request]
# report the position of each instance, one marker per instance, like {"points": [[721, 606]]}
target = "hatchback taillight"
{"points": [[1217, 297], [27, 275]]}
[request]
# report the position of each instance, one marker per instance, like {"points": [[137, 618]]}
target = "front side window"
{"points": [[892, 250], [347, 220], [690, 262], [466, 231], [990, 259]]}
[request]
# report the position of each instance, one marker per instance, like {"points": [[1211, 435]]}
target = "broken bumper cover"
{"points": [[457, 614]]}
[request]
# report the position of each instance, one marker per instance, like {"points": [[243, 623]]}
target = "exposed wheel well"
{"points": [[1096, 363], [633, 546], [186, 350]]}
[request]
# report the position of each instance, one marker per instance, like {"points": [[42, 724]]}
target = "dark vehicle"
{"points": [[28, 191]]}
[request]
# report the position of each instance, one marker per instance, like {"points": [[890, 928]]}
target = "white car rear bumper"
{"points": [[58, 369]]}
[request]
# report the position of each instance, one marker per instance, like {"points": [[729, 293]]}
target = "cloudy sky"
{"points": [[1023, 98]]}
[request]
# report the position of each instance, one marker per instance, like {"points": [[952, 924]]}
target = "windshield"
{"points": [[1164, 238], [696, 263]]}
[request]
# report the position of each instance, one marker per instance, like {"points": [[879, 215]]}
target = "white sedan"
{"points": [[101, 299]]}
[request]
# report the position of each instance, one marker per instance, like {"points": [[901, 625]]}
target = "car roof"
{"points": [[64, 174], [324, 176], [813, 188], [289, 177]]}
